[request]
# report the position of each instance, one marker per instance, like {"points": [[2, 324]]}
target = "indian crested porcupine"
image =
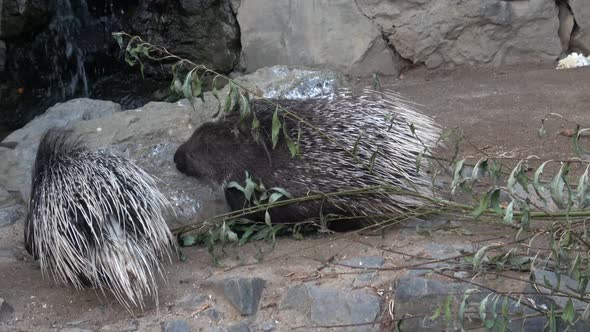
{"points": [[96, 220], [384, 122]]}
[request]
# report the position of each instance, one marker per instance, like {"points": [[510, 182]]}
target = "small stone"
{"points": [[297, 298], [366, 262], [341, 307], [6, 311], [244, 293], [74, 329], [175, 326], [191, 301]]}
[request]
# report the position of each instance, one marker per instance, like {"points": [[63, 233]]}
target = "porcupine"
{"points": [[96, 220], [382, 119]]}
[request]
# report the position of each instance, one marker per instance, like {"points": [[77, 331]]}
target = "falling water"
{"points": [[68, 58]]}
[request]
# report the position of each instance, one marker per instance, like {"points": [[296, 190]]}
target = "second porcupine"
{"points": [[383, 122]]}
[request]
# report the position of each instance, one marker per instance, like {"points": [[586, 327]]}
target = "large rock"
{"points": [[204, 31], [333, 34], [448, 32], [581, 36]]}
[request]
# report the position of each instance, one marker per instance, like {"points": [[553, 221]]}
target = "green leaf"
{"points": [[293, 148], [457, 175], [569, 313], [512, 178], [187, 86], [244, 106], [448, 312], [463, 306], [267, 218], [274, 197], [197, 87], [552, 320], [495, 201], [582, 190], [482, 307], [483, 205], [249, 231], [188, 240], [557, 186], [495, 169], [215, 93], [231, 235], [235, 185], [480, 257], [176, 86], [509, 213], [539, 188], [251, 186], [479, 169], [276, 126], [436, 313], [119, 38], [580, 151], [356, 144], [372, 160], [282, 191], [228, 98]]}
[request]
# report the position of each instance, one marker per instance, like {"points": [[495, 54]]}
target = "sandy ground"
{"points": [[499, 112]]}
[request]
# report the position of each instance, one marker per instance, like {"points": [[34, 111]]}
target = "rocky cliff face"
{"points": [[51, 51], [383, 36]]}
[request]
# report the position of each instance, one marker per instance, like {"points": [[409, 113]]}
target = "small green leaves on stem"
{"points": [[276, 127]]}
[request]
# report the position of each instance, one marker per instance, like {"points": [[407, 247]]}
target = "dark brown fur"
{"points": [[215, 152]]}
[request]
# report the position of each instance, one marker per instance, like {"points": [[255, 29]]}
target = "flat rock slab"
{"points": [[334, 306]]}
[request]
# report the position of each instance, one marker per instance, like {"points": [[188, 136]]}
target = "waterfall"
{"points": [[68, 58]]}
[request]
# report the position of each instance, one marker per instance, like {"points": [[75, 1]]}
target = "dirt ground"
{"points": [[499, 111]]}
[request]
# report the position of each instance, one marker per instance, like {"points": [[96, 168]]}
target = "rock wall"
{"points": [[332, 34], [383, 36]]}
